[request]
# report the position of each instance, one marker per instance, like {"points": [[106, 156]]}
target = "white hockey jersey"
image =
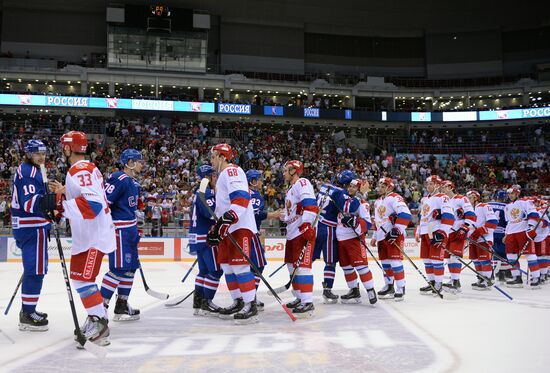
{"points": [[300, 207], [487, 218], [521, 215], [463, 211], [363, 212], [437, 214], [87, 209], [543, 229], [232, 193], [390, 211]]}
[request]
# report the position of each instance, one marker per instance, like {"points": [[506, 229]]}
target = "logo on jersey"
{"points": [[288, 206], [515, 213], [381, 210], [425, 209]]}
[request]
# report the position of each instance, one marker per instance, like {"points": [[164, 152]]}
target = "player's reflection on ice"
{"points": [[352, 337]]}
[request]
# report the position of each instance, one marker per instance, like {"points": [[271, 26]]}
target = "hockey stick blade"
{"points": [[177, 302], [280, 289], [151, 292]]}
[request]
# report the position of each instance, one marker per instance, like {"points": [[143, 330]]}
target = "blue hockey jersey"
{"points": [[498, 208], [258, 203], [28, 190], [122, 192], [337, 199], [201, 220]]}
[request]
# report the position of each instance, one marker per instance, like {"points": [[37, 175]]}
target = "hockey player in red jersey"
{"points": [[465, 218], [83, 202], [299, 215], [236, 217]]}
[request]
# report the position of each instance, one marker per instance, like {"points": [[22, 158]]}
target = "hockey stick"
{"points": [[189, 271], [202, 190], [420, 272], [287, 286], [178, 301], [278, 269], [480, 275], [13, 296], [98, 351], [148, 290]]}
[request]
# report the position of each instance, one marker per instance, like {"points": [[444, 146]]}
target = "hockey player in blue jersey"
{"points": [[498, 206], [29, 204], [331, 200], [122, 191], [208, 278]]}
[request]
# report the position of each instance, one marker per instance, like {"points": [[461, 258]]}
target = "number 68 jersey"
{"points": [[87, 210]]}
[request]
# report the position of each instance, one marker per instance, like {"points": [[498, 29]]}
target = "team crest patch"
{"points": [[515, 213], [381, 210], [128, 258], [425, 209]]}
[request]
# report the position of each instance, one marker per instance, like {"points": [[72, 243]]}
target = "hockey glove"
{"points": [[349, 221], [438, 237], [531, 233], [436, 214], [393, 235], [462, 232], [219, 230], [48, 203], [392, 218], [307, 230], [459, 214], [478, 232]]}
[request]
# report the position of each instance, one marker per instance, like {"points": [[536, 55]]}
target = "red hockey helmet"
{"points": [[388, 181], [296, 165], [224, 149], [449, 184], [514, 189], [434, 179], [76, 141]]}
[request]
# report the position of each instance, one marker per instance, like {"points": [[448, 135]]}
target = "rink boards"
{"points": [[169, 249]]}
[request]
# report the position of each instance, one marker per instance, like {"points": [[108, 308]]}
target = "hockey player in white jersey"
{"points": [[299, 215], [436, 223], [351, 233], [541, 247], [83, 202], [465, 218], [236, 217], [483, 229], [391, 218], [522, 217]]}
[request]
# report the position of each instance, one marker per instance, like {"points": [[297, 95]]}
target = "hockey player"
{"points": [[482, 234], [465, 218], [391, 218], [208, 278], [29, 207], [351, 233], [300, 215], [522, 217], [257, 255], [332, 197], [498, 206], [123, 190], [541, 249], [436, 223], [236, 217], [82, 200]]}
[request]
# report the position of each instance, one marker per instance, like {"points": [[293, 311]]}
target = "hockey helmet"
{"points": [[253, 175], [130, 154], [205, 170], [296, 165], [35, 146], [224, 149], [76, 141]]}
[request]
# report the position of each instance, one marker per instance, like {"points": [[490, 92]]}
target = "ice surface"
{"points": [[481, 332]]}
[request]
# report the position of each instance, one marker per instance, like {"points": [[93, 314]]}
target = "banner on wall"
{"points": [[167, 249]]}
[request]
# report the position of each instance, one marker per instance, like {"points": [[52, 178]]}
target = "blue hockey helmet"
{"points": [[129, 154], [500, 194], [35, 146], [345, 177], [205, 170], [253, 175]]}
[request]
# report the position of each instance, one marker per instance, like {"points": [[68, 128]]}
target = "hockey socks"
{"points": [[257, 278], [329, 274], [455, 267], [232, 284], [429, 269], [114, 280], [210, 285], [388, 271], [351, 276], [366, 276], [399, 273], [91, 298], [438, 270], [30, 292]]}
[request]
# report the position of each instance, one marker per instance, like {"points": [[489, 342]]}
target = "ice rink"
{"points": [[480, 332]]}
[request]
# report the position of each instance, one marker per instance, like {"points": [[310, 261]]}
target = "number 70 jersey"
{"points": [[87, 209]]}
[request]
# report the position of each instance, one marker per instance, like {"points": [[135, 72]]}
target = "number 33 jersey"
{"points": [[87, 210]]}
